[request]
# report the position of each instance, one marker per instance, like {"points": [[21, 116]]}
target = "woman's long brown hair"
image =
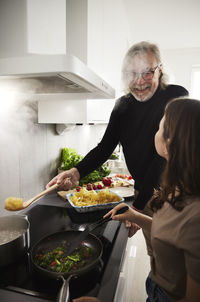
{"points": [[181, 176]]}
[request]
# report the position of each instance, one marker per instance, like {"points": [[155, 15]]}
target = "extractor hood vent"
{"points": [[52, 74], [43, 84]]}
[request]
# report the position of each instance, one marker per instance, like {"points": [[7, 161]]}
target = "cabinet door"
{"points": [[98, 111]]}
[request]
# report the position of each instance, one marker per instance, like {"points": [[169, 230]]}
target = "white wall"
{"points": [[171, 24], [174, 27], [108, 33], [179, 63], [29, 151], [116, 25]]}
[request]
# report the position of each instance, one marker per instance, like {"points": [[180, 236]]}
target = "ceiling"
{"points": [[170, 24]]}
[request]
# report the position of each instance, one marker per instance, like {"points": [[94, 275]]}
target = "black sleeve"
{"points": [[153, 173], [98, 155], [178, 91], [151, 181]]}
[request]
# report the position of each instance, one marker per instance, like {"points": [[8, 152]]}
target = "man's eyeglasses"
{"points": [[148, 75]]}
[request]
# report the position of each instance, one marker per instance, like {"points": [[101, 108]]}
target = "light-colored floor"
{"points": [[136, 267]]}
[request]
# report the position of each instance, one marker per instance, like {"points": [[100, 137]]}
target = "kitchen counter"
{"points": [[51, 214]]}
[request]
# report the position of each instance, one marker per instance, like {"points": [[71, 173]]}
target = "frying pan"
{"points": [[54, 240]]}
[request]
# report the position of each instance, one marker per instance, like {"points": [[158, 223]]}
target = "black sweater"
{"points": [[134, 124]]}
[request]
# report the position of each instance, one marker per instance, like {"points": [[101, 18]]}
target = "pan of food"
{"points": [[51, 259]]}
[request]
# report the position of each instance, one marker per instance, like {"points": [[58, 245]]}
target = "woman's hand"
{"points": [[66, 180], [128, 215], [133, 228], [125, 217], [132, 216]]}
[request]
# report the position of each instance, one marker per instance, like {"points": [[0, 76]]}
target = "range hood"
{"points": [[53, 74]]}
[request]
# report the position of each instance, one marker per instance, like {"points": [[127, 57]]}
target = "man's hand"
{"points": [[66, 180]]}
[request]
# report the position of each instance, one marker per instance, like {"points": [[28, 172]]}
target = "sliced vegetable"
{"points": [[56, 261]]}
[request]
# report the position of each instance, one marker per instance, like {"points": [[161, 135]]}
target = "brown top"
{"points": [[175, 240]]}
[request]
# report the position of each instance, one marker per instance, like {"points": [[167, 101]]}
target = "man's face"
{"points": [[141, 80]]}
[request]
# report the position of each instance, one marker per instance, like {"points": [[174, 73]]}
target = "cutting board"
{"points": [[62, 194]]}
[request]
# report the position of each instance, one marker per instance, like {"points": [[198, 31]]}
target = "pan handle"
{"points": [[63, 295]]}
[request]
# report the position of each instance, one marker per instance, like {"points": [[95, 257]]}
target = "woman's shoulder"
{"points": [[189, 216], [189, 236], [192, 208], [190, 205]]}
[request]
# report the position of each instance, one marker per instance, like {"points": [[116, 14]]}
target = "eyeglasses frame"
{"points": [[151, 71]]}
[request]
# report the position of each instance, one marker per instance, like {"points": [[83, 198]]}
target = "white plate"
{"points": [[123, 191]]}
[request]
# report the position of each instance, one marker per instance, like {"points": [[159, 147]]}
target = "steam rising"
{"points": [[18, 114], [41, 84]]}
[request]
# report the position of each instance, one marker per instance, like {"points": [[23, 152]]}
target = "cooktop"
{"points": [[19, 281]]}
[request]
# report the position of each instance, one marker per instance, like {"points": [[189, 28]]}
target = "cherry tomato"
{"points": [[89, 187], [107, 181], [52, 263], [94, 187]]}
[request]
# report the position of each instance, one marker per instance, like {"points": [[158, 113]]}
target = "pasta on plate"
{"points": [[89, 198]]}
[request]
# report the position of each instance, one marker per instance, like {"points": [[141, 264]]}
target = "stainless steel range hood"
{"points": [[43, 47], [52, 74]]}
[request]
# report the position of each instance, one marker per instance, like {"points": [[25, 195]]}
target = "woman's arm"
{"points": [[192, 291], [140, 219]]}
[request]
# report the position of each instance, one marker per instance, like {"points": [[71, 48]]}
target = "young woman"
{"points": [[174, 228]]}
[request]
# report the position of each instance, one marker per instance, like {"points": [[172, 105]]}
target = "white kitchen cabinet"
{"points": [[98, 111], [75, 111]]}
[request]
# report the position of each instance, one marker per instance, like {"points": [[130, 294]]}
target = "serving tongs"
{"points": [[91, 227]]}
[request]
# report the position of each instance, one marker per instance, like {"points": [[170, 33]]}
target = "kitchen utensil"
{"points": [[52, 241], [25, 204], [91, 227], [14, 238]]}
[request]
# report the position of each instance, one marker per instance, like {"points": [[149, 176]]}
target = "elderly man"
{"points": [[133, 123]]}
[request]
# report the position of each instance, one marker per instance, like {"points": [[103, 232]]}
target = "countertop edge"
{"points": [[112, 271]]}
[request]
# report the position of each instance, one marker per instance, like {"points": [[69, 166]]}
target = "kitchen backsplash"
{"points": [[30, 151]]}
